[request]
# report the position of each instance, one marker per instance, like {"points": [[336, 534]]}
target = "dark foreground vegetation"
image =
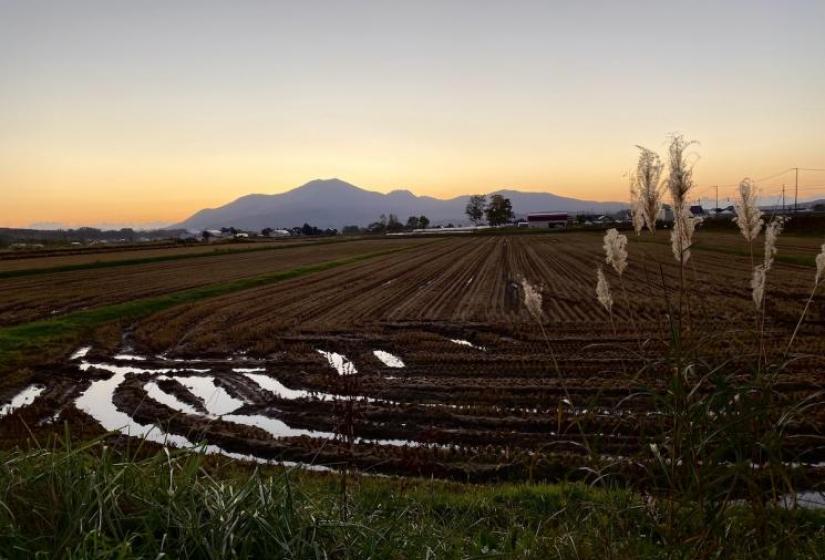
{"points": [[92, 502]]}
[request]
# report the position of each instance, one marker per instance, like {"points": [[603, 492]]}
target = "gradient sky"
{"points": [[146, 111]]}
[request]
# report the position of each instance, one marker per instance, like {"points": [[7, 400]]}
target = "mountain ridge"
{"points": [[336, 203]]}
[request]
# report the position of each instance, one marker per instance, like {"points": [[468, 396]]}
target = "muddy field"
{"points": [[39, 296], [425, 361], [12, 261]]}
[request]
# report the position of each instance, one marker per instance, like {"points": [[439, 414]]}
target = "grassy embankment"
{"points": [[93, 502]]}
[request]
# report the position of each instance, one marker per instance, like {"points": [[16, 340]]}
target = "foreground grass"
{"points": [[93, 502], [19, 341]]}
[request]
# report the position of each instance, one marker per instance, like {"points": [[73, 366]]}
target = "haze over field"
{"points": [[133, 113]]}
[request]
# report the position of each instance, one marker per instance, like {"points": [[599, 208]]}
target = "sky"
{"points": [[143, 112]]}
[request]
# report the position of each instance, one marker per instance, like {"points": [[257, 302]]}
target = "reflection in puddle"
{"points": [[273, 426], [339, 362], [277, 388], [157, 394], [80, 353], [388, 359], [129, 357], [97, 402], [85, 366], [215, 399], [467, 343], [21, 399]]}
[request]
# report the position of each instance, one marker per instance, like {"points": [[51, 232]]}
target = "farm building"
{"points": [[547, 220]]}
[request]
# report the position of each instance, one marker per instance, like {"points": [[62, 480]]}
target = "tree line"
{"points": [[497, 212]]}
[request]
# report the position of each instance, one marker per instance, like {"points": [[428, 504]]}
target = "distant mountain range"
{"points": [[335, 203]]}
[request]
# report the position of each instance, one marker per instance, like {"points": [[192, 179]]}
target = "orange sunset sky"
{"points": [[145, 112]]}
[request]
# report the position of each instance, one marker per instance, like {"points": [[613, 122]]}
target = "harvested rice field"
{"points": [[410, 356]]}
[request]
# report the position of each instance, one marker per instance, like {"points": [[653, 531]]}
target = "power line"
{"points": [[774, 176]]}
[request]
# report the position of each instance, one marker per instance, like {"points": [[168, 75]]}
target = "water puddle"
{"points": [[215, 399], [97, 402], [159, 395], [24, 398], [388, 359], [129, 357], [467, 343], [80, 353], [339, 362], [274, 427], [279, 390], [51, 419], [111, 368]]}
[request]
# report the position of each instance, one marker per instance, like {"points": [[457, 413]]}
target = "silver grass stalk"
{"points": [[679, 184], [615, 249], [680, 178], [748, 215], [760, 272], [532, 298], [648, 187], [820, 266], [772, 232], [603, 291], [681, 236], [637, 214], [760, 275]]}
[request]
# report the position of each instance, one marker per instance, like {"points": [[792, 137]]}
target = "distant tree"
{"points": [[352, 230], [412, 222], [393, 225], [377, 227], [819, 207], [475, 208], [423, 222], [266, 232], [499, 211], [205, 235], [307, 229]]}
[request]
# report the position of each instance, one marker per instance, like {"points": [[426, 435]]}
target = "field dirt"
{"points": [[40, 296], [53, 258], [446, 373]]}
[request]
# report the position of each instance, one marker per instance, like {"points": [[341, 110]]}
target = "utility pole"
{"points": [[717, 199], [783, 199], [796, 190]]}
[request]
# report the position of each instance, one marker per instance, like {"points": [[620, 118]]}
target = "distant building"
{"points": [[547, 220]]}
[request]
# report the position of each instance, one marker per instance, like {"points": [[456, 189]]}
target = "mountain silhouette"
{"points": [[335, 203]]}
